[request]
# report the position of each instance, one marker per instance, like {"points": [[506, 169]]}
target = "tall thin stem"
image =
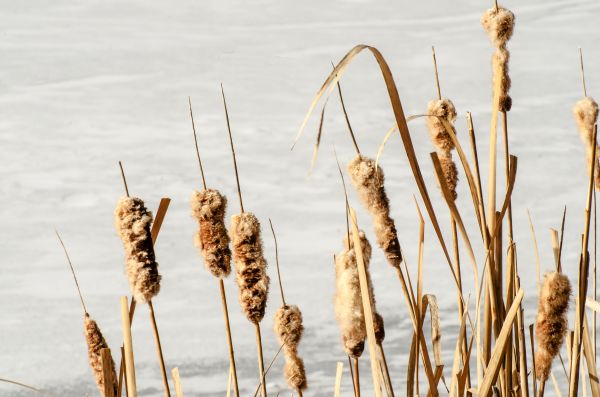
{"points": [[196, 143], [339, 87], [261, 364], [437, 77], [237, 177], [159, 351], [229, 338], [582, 72], [72, 271], [124, 179], [277, 263]]}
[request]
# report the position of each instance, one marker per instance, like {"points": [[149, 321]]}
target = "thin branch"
{"points": [[196, 143], [124, 179], [72, 271], [237, 177], [437, 77], [277, 262]]}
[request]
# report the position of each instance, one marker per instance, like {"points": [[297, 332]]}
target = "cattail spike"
{"points": [[437, 77], [196, 143], [277, 262], [124, 179], [235, 167], [582, 72], [96, 342], [72, 270]]}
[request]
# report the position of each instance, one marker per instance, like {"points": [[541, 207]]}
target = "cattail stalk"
{"points": [[289, 329], [208, 207], [96, 342], [250, 263], [133, 222], [551, 324], [368, 180]]}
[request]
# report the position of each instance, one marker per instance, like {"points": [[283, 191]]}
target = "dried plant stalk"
{"points": [[439, 110], [499, 23], [133, 221], [96, 342], [251, 266], [208, 207], [348, 302], [288, 328], [551, 324], [368, 180], [586, 115]]}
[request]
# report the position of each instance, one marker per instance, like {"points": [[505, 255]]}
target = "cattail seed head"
{"points": [[251, 266], [450, 173], [208, 207], [348, 300], [438, 110], [368, 182], [288, 328], [133, 221], [499, 25], [586, 115], [96, 342], [295, 373], [501, 78], [379, 328], [551, 324]]}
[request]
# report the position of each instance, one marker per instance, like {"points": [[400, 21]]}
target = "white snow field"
{"points": [[85, 84]]}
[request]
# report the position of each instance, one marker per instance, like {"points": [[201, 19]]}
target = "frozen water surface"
{"points": [[85, 84]]}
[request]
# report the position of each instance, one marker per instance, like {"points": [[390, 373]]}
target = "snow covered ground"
{"points": [[85, 84]]}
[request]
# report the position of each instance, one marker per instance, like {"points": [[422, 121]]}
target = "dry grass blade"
{"points": [[318, 142], [338, 378], [537, 252], [389, 133], [26, 386], [159, 218], [177, 382], [502, 341]]}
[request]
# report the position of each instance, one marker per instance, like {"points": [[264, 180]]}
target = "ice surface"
{"points": [[85, 84]]}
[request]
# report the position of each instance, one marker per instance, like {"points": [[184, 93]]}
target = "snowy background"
{"points": [[85, 84]]}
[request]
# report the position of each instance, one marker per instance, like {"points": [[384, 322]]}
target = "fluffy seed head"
{"points": [[295, 373], [368, 182], [208, 207], [96, 342], [499, 25], [586, 115], [551, 324], [501, 78], [348, 300], [288, 326], [438, 110], [133, 221], [450, 172], [250, 264]]}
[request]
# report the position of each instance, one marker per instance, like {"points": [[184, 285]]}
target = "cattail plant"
{"points": [[586, 116], [551, 324], [348, 301], [250, 263], [368, 180], [133, 221], [499, 22], [93, 337], [208, 207], [289, 329]]}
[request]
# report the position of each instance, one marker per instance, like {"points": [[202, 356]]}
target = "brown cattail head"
{"points": [[586, 115], [208, 207], [368, 182], [288, 328], [499, 25], [348, 300], [250, 264], [96, 342], [295, 373], [439, 110], [501, 78], [450, 172], [133, 221], [551, 323]]}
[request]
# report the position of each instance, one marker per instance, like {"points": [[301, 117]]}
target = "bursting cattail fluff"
{"points": [[96, 342], [551, 323], [586, 115], [348, 301], [208, 207], [251, 266], [499, 25], [439, 111], [133, 221], [368, 182], [288, 328]]}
